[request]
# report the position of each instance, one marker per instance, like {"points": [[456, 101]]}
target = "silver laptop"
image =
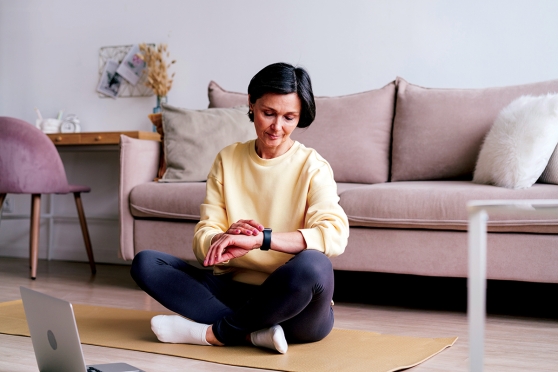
{"points": [[55, 337]]}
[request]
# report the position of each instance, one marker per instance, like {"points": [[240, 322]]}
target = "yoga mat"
{"points": [[342, 350]]}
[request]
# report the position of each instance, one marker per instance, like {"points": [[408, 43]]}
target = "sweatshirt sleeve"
{"points": [[213, 216], [326, 227]]}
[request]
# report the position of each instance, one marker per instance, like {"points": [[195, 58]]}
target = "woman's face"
{"points": [[275, 118]]}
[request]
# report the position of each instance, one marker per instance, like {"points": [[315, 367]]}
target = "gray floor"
{"points": [[515, 342]]}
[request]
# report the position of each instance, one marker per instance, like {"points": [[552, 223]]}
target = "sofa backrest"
{"points": [[221, 98], [352, 132], [438, 133]]}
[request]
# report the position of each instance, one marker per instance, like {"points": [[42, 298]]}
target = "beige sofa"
{"points": [[403, 157]]}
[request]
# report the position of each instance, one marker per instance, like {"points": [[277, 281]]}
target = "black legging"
{"points": [[297, 296]]}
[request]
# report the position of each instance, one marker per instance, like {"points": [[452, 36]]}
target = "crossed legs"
{"points": [[297, 296]]}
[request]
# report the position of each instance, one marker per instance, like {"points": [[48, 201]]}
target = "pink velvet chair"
{"points": [[30, 164]]}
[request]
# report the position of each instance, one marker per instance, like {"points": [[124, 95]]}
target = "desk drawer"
{"points": [[100, 138], [65, 139]]}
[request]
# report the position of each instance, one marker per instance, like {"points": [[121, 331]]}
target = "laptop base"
{"points": [[113, 367]]}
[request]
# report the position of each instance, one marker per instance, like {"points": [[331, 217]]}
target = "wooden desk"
{"points": [[98, 138]]}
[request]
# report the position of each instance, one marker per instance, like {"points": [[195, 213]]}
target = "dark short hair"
{"points": [[282, 78]]}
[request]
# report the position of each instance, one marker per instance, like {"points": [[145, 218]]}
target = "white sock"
{"points": [[271, 338], [178, 330]]}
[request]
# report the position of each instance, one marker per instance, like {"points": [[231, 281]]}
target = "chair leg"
{"points": [[2, 197], [85, 232], [34, 234]]}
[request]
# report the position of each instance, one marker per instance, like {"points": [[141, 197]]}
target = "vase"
{"points": [[157, 109], [160, 99]]}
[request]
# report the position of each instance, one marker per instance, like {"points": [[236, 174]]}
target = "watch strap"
{"points": [[266, 244]]}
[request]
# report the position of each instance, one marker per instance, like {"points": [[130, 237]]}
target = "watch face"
{"points": [[67, 127]]}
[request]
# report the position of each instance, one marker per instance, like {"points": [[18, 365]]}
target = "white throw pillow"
{"points": [[518, 147]]}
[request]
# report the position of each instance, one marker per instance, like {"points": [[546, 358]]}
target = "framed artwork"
{"points": [[118, 54]]}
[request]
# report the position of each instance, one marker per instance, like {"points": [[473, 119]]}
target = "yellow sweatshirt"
{"points": [[295, 191]]}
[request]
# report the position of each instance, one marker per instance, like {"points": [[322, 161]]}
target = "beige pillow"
{"points": [[438, 133], [193, 138], [351, 132]]}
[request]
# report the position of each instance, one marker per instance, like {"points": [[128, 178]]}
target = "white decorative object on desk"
{"points": [[49, 125], [70, 124]]}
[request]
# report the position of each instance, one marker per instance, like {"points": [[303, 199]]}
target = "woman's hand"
{"points": [[245, 227], [226, 247]]}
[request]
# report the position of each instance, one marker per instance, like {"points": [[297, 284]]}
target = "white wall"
{"points": [[49, 49], [49, 59]]}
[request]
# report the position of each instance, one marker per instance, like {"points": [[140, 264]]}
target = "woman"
{"points": [[267, 288]]}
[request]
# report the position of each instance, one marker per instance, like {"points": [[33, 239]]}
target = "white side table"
{"points": [[479, 211]]}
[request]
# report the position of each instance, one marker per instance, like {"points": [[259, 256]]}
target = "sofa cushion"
{"points": [[438, 133], [519, 145], [180, 200], [219, 97], [344, 186], [550, 174], [193, 138], [440, 205], [351, 132], [168, 200]]}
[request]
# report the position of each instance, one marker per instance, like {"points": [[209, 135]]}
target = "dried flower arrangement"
{"points": [[158, 80], [157, 68]]}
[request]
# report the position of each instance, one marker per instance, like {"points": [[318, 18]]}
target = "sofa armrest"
{"points": [[139, 162]]}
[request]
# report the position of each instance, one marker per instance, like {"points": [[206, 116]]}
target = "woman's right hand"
{"points": [[245, 227], [225, 247]]}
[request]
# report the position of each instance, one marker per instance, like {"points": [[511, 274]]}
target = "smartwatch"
{"points": [[266, 240]]}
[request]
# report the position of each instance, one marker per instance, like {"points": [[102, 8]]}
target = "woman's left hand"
{"points": [[228, 246], [246, 227]]}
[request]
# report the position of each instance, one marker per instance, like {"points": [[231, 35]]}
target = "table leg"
{"points": [[476, 291]]}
